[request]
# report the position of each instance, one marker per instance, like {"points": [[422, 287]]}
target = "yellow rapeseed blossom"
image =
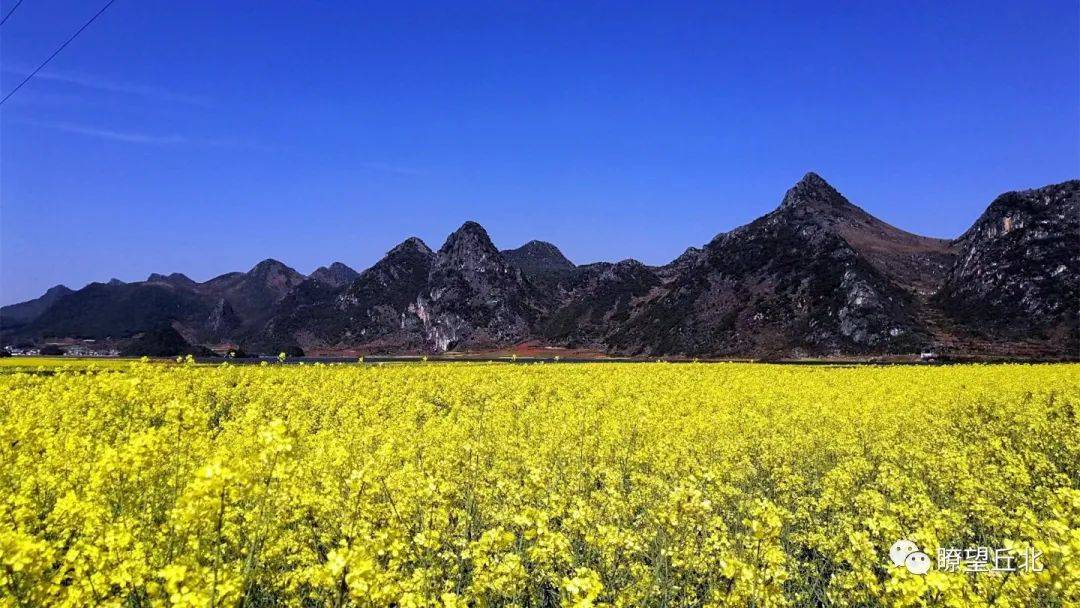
{"points": [[581, 485]]}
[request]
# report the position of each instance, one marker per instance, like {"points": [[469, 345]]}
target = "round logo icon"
{"points": [[900, 550], [917, 563]]}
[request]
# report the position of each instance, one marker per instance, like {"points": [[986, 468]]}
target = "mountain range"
{"points": [[817, 276]]}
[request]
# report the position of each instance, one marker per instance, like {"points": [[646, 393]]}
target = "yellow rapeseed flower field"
{"points": [[535, 485]]}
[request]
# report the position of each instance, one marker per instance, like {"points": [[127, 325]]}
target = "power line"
{"points": [[4, 20], [57, 51]]}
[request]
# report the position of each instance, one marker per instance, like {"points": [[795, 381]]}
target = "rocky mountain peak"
{"points": [[628, 264], [276, 275], [686, 258], [473, 295], [813, 192], [623, 270], [813, 180], [268, 265], [1018, 267], [538, 256], [1027, 209], [684, 262], [177, 279], [336, 275], [411, 245], [469, 242], [24, 312]]}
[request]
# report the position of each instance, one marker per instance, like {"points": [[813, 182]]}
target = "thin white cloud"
{"points": [[124, 88], [135, 137], [124, 136]]}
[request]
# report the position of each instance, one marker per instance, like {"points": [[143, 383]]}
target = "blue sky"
{"points": [[205, 136]]}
